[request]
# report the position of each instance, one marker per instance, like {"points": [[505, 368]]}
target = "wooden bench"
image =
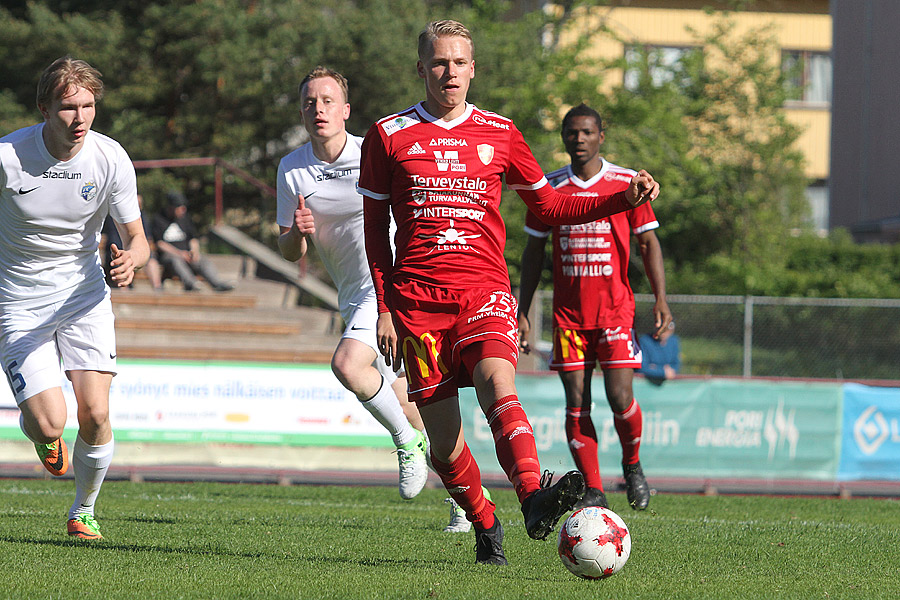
{"points": [[194, 300], [225, 354], [214, 327]]}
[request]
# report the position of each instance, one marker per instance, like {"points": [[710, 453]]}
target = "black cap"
{"points": [[176, 199]]}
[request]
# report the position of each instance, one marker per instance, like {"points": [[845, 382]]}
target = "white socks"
{"points": [[385, 407], [91, 464]]}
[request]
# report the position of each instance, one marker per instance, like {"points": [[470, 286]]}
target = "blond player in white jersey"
{"points": [[317, 199], [58, 181]]}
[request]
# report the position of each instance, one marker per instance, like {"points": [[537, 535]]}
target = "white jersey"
{"points": [[337, 207], [51, 213]]}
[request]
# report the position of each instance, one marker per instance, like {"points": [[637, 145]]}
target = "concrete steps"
{"points": [[257, 322]]}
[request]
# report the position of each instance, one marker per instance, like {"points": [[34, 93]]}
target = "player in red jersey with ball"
{"points": [[437, 166], [593, 305]]}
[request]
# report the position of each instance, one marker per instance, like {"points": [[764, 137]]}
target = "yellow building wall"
{"points": [[672, 27]]}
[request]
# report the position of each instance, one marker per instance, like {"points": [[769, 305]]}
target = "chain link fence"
{"points": [[756, 336]]}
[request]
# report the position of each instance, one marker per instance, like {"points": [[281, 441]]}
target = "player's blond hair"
{"points": [[321, 71], [64, 73], [445, 28]]}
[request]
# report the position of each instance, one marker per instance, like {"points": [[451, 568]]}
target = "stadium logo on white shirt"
{"points": [[485, 153], [89, 191], [416, 149], [448, 159]]}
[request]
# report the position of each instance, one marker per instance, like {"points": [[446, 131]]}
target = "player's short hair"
{"points": [[582, 110], [445, 28], [321, 71], [62, 74]]}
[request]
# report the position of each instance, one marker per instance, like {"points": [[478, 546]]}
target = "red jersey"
{"points": [[590, 261], [442, 181]]}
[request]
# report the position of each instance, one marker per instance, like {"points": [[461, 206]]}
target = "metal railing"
{"points": [[757, 336]]}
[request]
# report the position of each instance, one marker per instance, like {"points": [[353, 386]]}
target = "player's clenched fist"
{"points": [[303, 218], [643, 188]]}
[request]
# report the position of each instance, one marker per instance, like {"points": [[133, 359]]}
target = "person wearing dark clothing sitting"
{"points": [[179, 248]]}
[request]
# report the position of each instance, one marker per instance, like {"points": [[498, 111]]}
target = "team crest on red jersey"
{"points": [[485, 153]]}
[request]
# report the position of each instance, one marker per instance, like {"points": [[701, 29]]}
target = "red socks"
{"points": [[514, 443], [629, 426], [583, 439], [583, 445], [462, 478]]}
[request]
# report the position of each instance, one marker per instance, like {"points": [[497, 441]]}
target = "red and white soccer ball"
{"points": [[594, 543]]}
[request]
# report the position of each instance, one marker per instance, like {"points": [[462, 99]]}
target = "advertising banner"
{"points": [[197, 402], [871, 439], [692, 428]]}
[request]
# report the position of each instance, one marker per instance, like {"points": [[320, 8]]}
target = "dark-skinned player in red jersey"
{"points": [[444, 301], [593, 304]]}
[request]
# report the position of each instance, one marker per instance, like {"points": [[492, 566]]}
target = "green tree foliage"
{"points": [[713, 133], [219, 78]]}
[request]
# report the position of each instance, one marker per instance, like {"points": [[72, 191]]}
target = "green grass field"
{"points": [[209, 540]]}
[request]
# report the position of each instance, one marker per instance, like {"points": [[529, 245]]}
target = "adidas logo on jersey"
{"points": [[416, 149]]}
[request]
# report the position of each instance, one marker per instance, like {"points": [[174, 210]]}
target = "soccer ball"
{"points": [[594, 543]]}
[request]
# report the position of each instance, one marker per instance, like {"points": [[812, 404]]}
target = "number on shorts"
{"points": [[499, 302], [16, 381]]}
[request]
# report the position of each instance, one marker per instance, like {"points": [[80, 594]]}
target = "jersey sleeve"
{"points": [[642, 219], [374, 167], [524, 175], [286, 197], [536, 227], [377, 218], [375, 186], [523, 171], [123, 202], [554, 208]]}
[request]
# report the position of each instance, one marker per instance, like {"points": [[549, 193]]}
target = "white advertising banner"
{"points": [[221, 402]]}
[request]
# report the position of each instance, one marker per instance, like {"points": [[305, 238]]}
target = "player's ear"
{"points": [[473, 69], [602, 136], [420, 69], [346, 110]]}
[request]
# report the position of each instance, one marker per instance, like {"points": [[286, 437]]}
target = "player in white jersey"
{"points": [[58, 181], [317, 199]]}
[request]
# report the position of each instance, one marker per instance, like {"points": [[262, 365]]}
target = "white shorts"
{"points": [[78, 331], [361, 327]]}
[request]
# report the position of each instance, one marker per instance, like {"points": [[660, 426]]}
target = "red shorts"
{"points": [[443, 333], [613, 348]]}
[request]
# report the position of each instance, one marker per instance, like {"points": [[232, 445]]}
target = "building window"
{"points": [[808, 77], [663, 64], [817, 194]]}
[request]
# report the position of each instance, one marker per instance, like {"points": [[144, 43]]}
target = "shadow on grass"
{"points": [[154, 520], [209, 550]]}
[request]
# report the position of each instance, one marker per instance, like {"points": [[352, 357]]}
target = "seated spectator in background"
{"points": [[109, 235], [662, 356], [179, 248]]}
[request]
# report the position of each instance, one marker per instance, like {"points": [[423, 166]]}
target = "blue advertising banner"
{"points": [[693, 428], [870, 446]]}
